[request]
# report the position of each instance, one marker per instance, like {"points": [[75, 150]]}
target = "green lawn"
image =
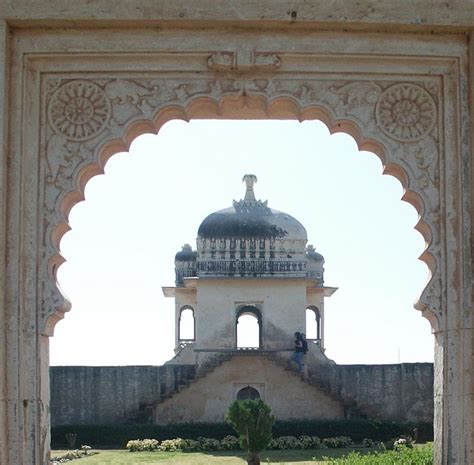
{"points": [[123, 457]]}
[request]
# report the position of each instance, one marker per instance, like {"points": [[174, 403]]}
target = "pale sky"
{"points": [[151, 201]]}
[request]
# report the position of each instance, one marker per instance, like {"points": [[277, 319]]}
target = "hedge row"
{"points": [[232, 443], [113, 436]]}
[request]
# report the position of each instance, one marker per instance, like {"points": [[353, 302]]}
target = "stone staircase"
{"points": [[317, 378], [200, 372]]}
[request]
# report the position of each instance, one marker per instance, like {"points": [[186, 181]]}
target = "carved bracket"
{"points": [[243, 60]]}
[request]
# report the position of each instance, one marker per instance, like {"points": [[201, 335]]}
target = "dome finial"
{"points": [[250, 180]]}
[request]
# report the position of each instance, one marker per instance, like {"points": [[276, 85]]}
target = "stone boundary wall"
{"points": [[399, 392], [105, 395], [84, 395]]}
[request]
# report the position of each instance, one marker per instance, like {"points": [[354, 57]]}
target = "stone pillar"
{"points": [[452, 401], [3, 352], [5, 427], [467, 332], [24, 391]]}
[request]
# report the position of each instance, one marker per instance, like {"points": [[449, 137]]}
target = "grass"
{"points": [[123, 457], [420, 455]]}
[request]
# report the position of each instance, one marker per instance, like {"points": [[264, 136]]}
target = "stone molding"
{"points": [[296, 14]]}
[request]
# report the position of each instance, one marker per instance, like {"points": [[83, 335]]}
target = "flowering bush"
{"points": [[338, 442], [403, 442], [172, 445], [232, 443], [190, 445], [73, 455], [285, 442], [143, 445], [209, 444], [307, 442]]}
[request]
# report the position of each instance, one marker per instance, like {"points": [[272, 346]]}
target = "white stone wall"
{"points": [[282, 304]]}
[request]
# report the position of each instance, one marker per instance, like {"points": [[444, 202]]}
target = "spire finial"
{"points": [[249, 200], [250, 180]]}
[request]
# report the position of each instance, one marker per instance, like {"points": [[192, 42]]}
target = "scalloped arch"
{"points": [[241, 106]]}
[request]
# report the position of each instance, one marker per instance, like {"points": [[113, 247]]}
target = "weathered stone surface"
{"points": [[402, 392], [107, 395], [99, 395], [321, 13], [291, 61]]}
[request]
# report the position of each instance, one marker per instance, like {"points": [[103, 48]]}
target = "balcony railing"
{"points": [[256, 267], [185, 342]]}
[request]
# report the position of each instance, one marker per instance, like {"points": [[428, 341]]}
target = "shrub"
{"points": [[338, 442], [143, 445], [73, 455], [306, 442], [209, 444], [404, 441], [253, 421], [190, 445], [116, 436], [405, 456], [172, 445], [230, 443], [285, 442], [367, 442]]}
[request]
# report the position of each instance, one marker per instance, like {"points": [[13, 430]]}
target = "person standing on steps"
{"points": [[301, 347]]}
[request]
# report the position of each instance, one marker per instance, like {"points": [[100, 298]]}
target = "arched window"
{"points": [[249, 328], [248, 393], [186, 326], [313, 324]]}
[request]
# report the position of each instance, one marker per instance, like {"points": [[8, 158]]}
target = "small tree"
{"points": [[253, 421]]}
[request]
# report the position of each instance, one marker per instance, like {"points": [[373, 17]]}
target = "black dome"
{"points": [[254, 221], [186, 255]]}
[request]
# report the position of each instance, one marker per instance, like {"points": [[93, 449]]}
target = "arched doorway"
{"points": [[186, 326], [313, 324], [248, 393], [248, 329]]}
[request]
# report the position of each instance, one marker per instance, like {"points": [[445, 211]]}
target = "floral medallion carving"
{"points": [[79, 110], [406, 112]]}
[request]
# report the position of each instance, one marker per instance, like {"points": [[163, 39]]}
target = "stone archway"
{"points": [[77, 105]]}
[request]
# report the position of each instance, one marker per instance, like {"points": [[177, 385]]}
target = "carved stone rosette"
{"points": [[406, 112], [79, 110]]}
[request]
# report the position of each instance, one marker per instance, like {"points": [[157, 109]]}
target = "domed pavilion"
{"points": [[250, 261]]}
